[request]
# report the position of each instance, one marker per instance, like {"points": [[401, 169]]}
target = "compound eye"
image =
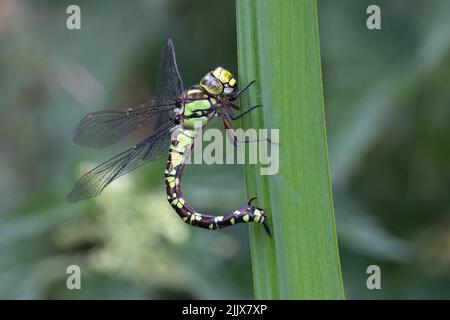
{"points": [[211, 84]]}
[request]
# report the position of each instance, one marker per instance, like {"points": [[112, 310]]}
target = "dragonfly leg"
{"points": [[238, 93], [233, 117], [234, 139]]}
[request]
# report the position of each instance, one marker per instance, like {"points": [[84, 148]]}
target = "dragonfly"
{"points": [[175, 116]]}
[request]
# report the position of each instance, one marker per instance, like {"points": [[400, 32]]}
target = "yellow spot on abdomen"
{"points": [[177, 158]]}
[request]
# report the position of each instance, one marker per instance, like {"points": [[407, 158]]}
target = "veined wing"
{"points": [[92, 183], [168, 81], [103, 128]]}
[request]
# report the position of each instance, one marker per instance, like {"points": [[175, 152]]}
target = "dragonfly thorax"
{"points": [[197, 108], [219, 82]]}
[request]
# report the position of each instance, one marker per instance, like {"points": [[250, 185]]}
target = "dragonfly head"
{"points": [[219, 82]]}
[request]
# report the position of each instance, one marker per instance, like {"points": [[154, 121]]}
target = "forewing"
{"points": [[168, 81], [103, 128]]}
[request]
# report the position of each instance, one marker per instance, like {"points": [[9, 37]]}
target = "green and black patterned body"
{"points": [[197, 106], [174, 114]]}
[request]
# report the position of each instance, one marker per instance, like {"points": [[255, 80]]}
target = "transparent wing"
{"points": [[103, 128], [168, 81], [92, 183]]}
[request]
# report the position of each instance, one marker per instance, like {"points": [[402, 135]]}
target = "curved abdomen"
{"points": [[181, 144]]}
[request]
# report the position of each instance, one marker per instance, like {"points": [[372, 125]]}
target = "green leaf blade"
{"points": [[278, 46]]}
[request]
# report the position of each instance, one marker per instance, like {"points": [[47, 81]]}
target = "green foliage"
{"points": [[278, 46]]}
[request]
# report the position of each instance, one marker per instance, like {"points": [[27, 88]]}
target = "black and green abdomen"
{"points": [[198, 107]]}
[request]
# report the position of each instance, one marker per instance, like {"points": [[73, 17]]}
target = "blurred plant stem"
{"points": [[278, 46]]}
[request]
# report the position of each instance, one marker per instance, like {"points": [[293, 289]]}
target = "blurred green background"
{"points": [[387, 105]]}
